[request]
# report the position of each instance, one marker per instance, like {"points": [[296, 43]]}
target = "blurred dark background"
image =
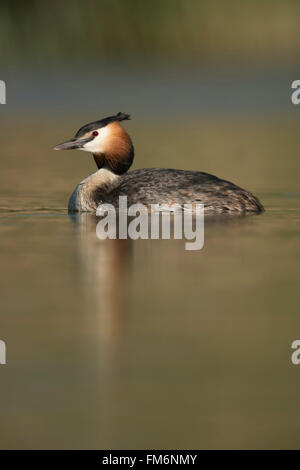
{"points": [[253, 33]]}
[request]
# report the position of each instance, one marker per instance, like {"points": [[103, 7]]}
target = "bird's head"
{"points": [[107, 140]]}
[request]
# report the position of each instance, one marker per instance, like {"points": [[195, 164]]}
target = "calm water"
{"points": [[143, 344]]}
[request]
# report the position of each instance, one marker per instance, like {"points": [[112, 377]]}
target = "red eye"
{"points": [[95, 133]]}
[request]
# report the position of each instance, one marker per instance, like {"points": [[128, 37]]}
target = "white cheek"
{"points": [[98, 143]]}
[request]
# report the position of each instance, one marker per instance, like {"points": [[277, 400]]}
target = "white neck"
{"points": [[82, 198], [102, 177]]}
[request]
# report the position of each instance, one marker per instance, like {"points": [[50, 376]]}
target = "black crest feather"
{"points": [[101, 123]]}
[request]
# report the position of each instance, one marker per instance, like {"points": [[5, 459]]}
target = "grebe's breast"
{"points": [[171, 186]]}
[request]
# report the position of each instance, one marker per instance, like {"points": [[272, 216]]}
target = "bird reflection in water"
{"points": [[104, 270]]}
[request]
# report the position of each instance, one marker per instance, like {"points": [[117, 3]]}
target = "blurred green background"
{"points": [[145, 345], [259, 32]]}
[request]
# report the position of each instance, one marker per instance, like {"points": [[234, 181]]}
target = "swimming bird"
{"points": [[113, 153]]}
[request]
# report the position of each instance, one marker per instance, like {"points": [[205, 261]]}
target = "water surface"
{"points": [[142, 344]]}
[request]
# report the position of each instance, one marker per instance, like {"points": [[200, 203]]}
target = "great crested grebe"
{"points": [[113, 152]]}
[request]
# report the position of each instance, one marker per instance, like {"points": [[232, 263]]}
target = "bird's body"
{"points": [[165, 187], [113, 152]]}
